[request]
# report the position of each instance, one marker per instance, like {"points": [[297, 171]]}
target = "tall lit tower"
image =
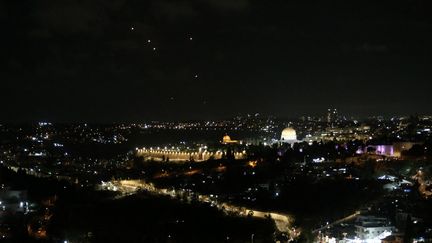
{"points": [[332, 116]]}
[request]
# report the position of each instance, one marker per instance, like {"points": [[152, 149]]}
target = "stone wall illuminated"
{"points": [[176, 155]]}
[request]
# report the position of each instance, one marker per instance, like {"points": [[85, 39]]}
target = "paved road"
{"points": [[128, 187], [347, 218]]}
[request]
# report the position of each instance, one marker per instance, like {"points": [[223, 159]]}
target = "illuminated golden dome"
{"points": [[226, 139], [289, 135]]}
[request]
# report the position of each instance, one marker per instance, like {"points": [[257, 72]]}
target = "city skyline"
{"points": [[216, 121]]}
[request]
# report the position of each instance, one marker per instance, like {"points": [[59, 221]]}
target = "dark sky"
{"points": [[91, 60]]}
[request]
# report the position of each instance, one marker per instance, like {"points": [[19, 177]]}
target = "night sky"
{"points": [[137, 60]]}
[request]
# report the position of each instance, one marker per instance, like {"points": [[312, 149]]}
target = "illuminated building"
{"points": [[289, 135], [373, 229], [394, 150], [227, 140], [332, 116], [185, 156]]}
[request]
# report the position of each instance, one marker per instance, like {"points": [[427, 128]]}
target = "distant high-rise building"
{"points": [[332, 116]]}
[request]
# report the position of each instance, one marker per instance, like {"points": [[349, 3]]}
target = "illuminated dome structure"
{"points": [[226, 139], [288, 135]]}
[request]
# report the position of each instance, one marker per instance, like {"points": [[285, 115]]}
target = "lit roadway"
{"points": [[283, 222], [347, 218], [423, 184]]}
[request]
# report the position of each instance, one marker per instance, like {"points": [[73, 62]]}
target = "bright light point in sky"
{"points": [[239, 41], [196, 76]]}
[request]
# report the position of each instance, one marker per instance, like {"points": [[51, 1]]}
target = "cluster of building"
{"points": [[49, 150], [14, 205], [358, 229]]}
